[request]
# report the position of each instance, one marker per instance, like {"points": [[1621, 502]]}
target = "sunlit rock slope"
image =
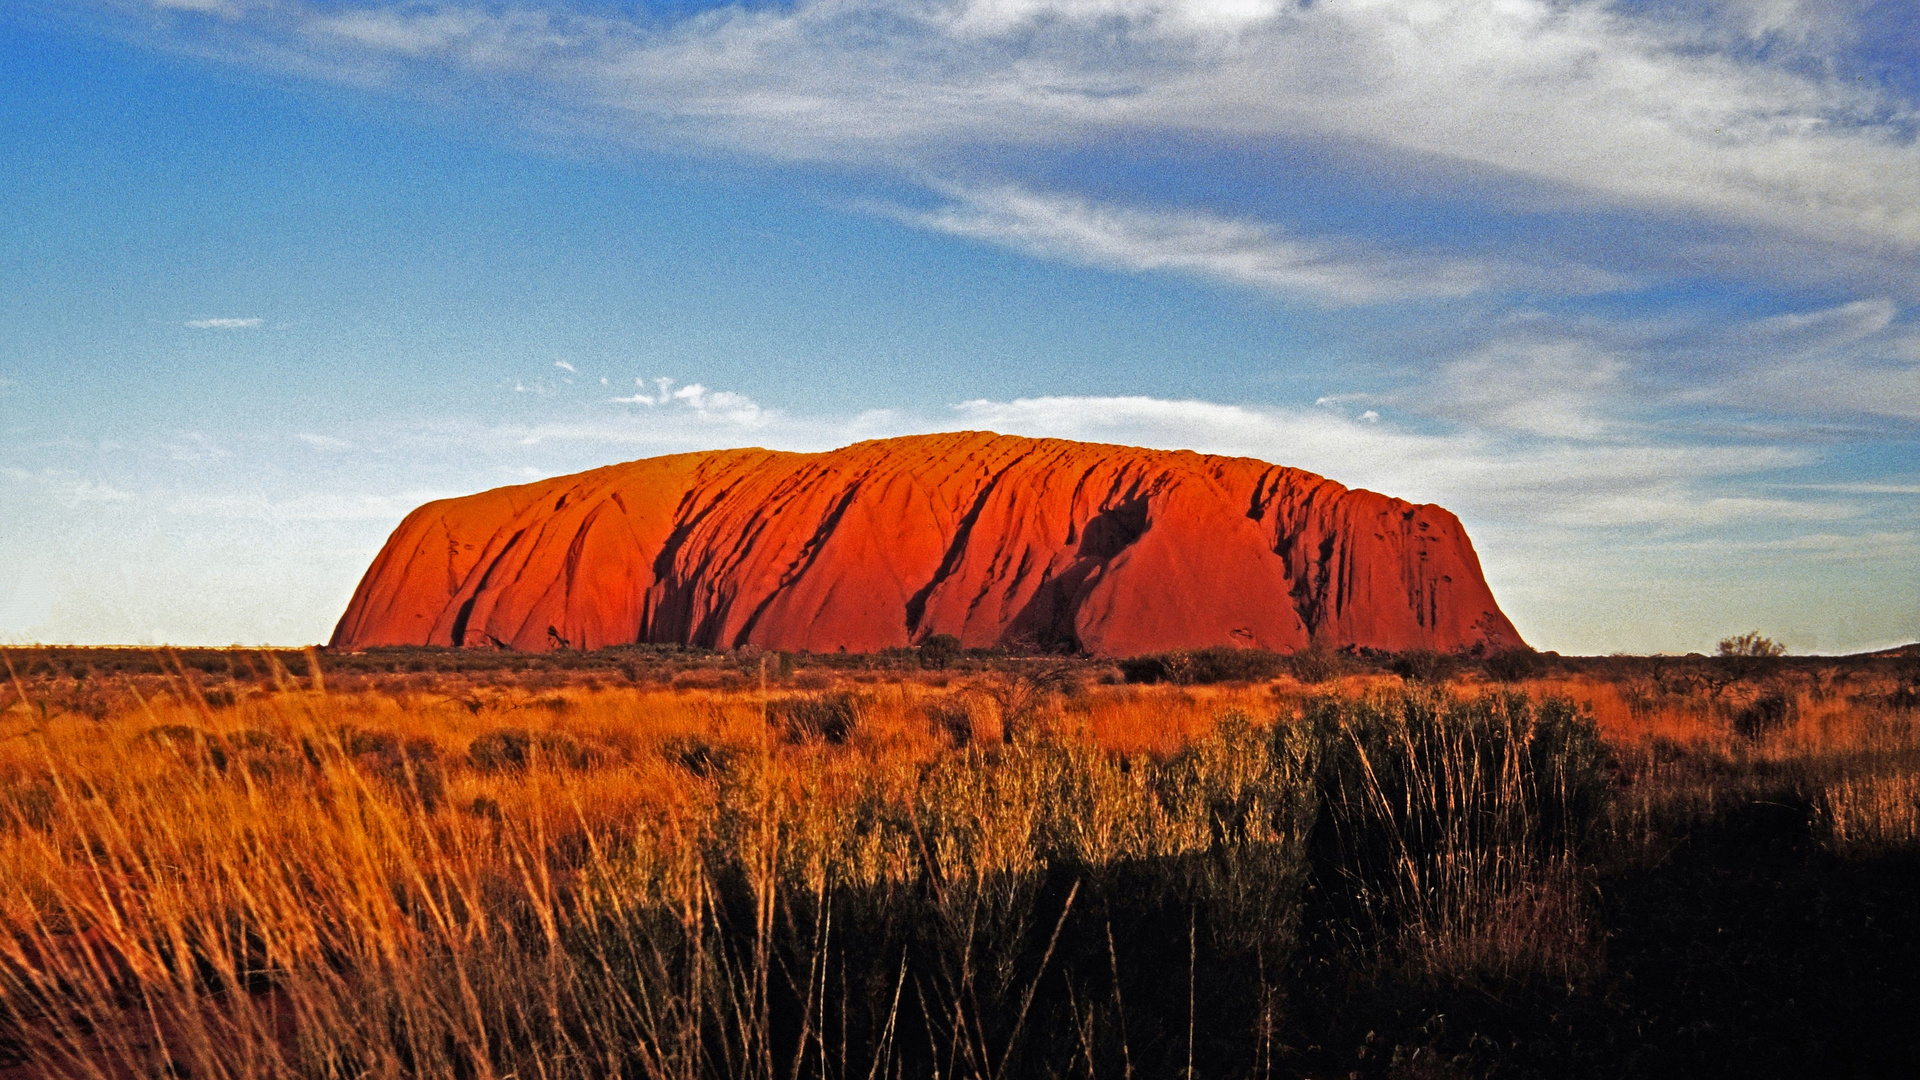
{"points": [[1032, 543]]}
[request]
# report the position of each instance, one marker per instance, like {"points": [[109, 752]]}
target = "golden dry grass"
{"points": [[547, 882], [431, 876], [1872, 813]]}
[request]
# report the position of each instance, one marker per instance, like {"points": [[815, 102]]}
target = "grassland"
{"points": [[657, 863]]}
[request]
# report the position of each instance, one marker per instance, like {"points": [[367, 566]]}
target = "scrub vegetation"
{"points": [[661, 863]]}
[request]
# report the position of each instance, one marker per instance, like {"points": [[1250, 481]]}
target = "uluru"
{"points": [[1036, 544]]}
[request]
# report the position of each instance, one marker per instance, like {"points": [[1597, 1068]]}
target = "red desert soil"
{"points": [[997, 540]]}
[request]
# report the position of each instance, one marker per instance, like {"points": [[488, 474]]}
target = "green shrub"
{"points": [[828, 718], [409, 765], [1198, 667], [939, 651], [699, 756], [513, 749], [1749, 655], [190, 743], [1422, 666], [1514, 665], [1317, 664]]}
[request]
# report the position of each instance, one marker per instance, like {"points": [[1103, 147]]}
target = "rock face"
{"points": [[1035, 543]]}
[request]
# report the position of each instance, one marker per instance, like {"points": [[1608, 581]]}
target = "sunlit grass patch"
{"points": [[1871, 814]]}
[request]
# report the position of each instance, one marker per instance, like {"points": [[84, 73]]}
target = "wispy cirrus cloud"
{"points": [[1734, 110], [226, 323], [1566, 482], [1552, 387], [226, 8], [1859, 360], [1235, 251]]}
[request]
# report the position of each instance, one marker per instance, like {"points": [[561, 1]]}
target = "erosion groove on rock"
{"points": [[997, 540]]}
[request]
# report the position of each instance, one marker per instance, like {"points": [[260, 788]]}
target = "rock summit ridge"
{"points": [[997, 540]]}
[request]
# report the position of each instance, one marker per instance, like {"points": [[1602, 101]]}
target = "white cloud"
{"points": [[1649, 105], [1555, 388], [195, 447], [989, 18], [323, 442], [1826, 328], [1859, 359], [227, 8], [1821, 544], [224, 324], [98, 491], [1236, 251], [1865, 488], [719, 404], [564, 366], [642, 396], [695, 399], [1569, 483], [1666, 502]]}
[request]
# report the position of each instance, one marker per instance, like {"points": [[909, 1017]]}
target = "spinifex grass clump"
{"points": [[1454, 830]]}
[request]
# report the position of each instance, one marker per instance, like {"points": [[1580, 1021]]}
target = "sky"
{"points": [[1633, 288]]}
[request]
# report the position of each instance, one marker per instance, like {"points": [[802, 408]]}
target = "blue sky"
{"points": [[1630, 287]]}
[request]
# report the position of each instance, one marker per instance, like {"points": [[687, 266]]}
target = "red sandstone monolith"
{"points": [[1029, 543]]}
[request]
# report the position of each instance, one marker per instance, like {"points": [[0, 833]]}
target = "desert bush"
{"points": [[1198, 667], [1021, 694], [1514, 665], [939, 651], [709, 679], [509, 749], [187, 741], [1905, 691], [1244, 801], [29, 804], [829, 718], [1748, 655], [1317, 664], [1416, 666], [961, 881], [410, 765], [1766, 714], [698, 755], [952, 718]]}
